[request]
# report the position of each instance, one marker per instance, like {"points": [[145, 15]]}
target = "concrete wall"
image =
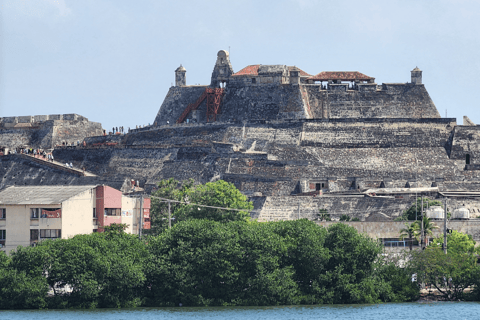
{"points": [[17, 226], [391, 229], [77, 214]]}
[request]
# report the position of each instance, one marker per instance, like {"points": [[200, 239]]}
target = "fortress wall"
{"points": [[176, 101], [44, 131], [291, 208], [74, 129], [15, 138], [465, 141], [262, 101], [392, 101], [103, 140], [360, 134]]}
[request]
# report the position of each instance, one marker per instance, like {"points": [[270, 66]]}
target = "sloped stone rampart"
{"points": [[176, 101], [399, 100], [466, 141], [292, 208], [276, 101]]}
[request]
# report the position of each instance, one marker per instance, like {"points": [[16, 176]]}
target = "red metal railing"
{"points": [[214, 98]]}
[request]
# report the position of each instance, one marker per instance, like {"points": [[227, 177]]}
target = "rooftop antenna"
{"points": [[445, 113], [229, 52]]}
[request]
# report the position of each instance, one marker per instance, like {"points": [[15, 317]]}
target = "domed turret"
{"points": [[180, 77], [416, 76]]}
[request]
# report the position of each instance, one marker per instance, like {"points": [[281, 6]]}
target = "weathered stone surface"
{"points": [[46, 131], [294, 147]]}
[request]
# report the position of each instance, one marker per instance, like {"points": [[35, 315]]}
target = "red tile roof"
{"points": [[252, 70], [302, 73], [248, 71], [340, 75]]}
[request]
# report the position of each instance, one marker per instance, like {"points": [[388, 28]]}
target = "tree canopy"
{"points": [[216, 194]]}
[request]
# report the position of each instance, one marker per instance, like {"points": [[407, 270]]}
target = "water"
{"points": [[390, 311]]}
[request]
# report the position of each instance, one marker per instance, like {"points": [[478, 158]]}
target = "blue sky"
{"points": [[113, 60]]}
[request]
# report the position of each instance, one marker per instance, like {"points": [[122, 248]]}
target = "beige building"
{"points": [[33, 213]]}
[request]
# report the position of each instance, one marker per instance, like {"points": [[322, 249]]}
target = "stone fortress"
{"points": [[292, 141]]}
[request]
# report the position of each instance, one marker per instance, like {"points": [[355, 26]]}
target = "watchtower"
{"points": [[294, 75], [180, 77], [416, 76], [222, 70]]}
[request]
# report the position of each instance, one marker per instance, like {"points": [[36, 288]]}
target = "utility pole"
{"points": [[445, 229], [422, 232], [140, 222], [169, 216], [421, 222], [421, 210]]}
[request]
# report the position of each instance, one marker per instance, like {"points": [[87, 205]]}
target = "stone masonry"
{"points": [[292, 142]]}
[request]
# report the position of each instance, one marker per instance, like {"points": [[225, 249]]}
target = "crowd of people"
{"points": [[37, 153]]}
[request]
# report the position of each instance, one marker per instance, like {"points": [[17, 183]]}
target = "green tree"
{"points": [[428, 227], [167, 189], [344, 217], [349, 276], [202, 262], [307, 255], [449, 273], [410, 231], [394, 280], [102, 269], [23, 284], [116, 228], [323, 215], [215, 194], [99, 269], [457, 242]]}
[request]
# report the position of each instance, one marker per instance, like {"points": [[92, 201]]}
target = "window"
{"points": [[33, 234], [320, 185], [3, 213], [254, 80], [94, 213], [3, 234], [50, 233], [467, 159], [113, 212], [34, 213]]}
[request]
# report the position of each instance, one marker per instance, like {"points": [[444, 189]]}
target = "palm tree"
{"points": [[428, 227], [409, 232]]}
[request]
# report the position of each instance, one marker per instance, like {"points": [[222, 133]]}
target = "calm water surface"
{"points": [[404, 311]]}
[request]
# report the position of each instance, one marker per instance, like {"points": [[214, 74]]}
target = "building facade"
{"points": [[30, 214]]}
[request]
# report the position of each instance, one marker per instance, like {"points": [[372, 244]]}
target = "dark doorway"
{"points": [[318, 186], [467, 159]]}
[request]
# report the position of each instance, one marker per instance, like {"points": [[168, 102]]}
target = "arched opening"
{"points": [[467, 159]]}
